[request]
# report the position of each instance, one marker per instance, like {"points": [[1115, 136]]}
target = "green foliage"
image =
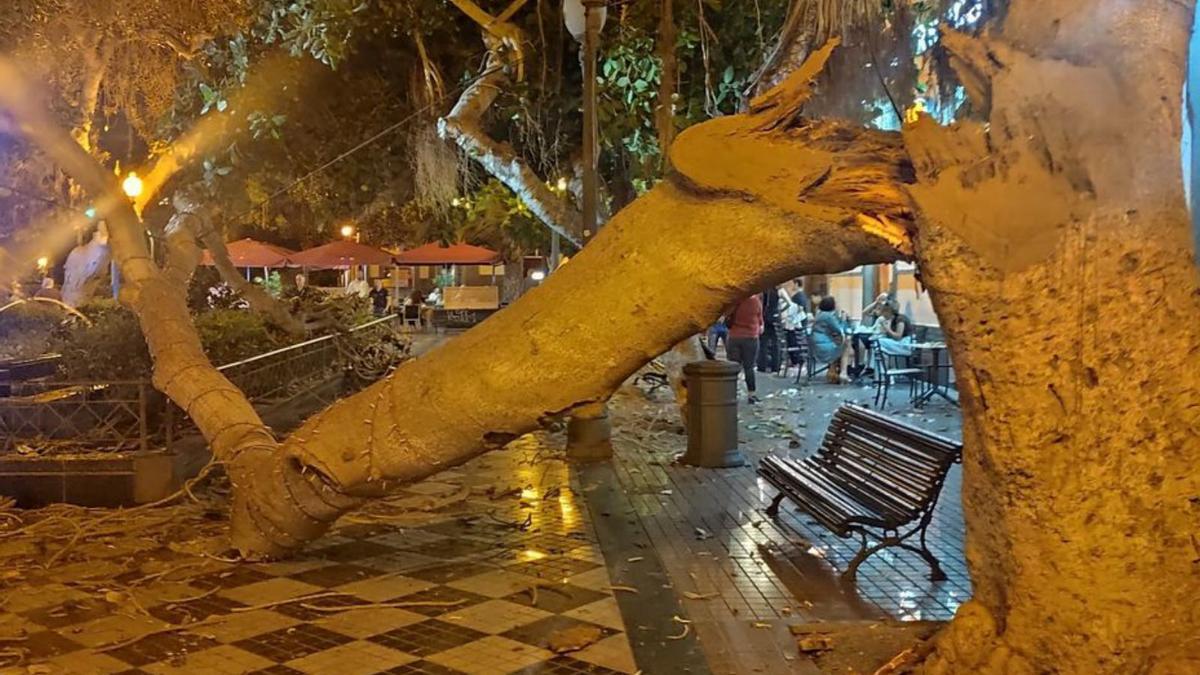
{"points": [[273, 283], [443, 279], [25, 329], [496, 217], [231, 335], [111, 349], [630, 74], [317, 28]]}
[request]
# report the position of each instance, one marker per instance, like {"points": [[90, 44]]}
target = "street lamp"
{"points": [[132, 185], [589, 434], [575, 16], [347, 231], [585, 19]]}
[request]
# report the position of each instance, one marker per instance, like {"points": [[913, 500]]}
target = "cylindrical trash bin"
{"points": [[712, 414]]}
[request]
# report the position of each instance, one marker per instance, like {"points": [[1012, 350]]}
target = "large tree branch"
{"points": [[464, 126], [259, 299], [181, 369]]}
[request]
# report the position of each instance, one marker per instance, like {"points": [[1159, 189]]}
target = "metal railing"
{"points": [[113, 415], [132, 415]]}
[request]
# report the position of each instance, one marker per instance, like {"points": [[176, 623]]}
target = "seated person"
{"points": [[829, 341], [869, 330], [895, 331]]}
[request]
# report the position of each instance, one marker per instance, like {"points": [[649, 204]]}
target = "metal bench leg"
{"points": [[865, 551], [773, 509], [935, 567]]}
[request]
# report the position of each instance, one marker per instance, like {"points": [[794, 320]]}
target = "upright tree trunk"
{"points": [[1056, 245]]}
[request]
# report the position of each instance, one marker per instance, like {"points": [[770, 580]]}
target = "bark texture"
{"points": [[1081, 398]]}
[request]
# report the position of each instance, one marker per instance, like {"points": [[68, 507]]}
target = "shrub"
{"points": [[112, 348], [232, 335], [25, 329]]}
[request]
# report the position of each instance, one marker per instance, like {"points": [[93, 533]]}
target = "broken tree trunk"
{"points": [[1056, 245]]}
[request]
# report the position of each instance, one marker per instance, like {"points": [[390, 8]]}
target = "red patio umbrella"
{"points": [[251, 253], [341, 253], [458, 254]]}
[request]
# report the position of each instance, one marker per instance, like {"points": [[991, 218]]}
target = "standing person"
{"points": [[793, 317], [379, 298], [768, 345], [801, 298], [745, 322]]}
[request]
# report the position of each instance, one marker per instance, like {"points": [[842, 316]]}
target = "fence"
{"points": [[135, 416]]}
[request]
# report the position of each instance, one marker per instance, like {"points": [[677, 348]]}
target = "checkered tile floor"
{"points": [[482, 587]]}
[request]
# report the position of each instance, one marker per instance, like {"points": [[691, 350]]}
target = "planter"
{"points": [[103, 480]]}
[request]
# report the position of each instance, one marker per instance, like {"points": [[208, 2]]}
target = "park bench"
{"points": [[874, 477]]}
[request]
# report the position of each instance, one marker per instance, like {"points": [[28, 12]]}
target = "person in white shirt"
{"points": [[794, 318], [358, 287]]}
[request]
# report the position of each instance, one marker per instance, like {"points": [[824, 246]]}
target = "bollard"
{"points": [[589, 434], [712, 414]]}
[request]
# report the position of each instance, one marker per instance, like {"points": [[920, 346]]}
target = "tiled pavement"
{"points": [[488, 569], [495, 568], [744, 577]]}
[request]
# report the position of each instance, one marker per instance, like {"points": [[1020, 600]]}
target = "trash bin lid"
{"points": [[711, 368]]}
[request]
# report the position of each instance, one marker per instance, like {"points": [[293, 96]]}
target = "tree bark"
{"points": [[1081, 401], [567, 343]]}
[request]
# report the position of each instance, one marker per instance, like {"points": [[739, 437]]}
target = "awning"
{"points": [[341, 253], [253, 253], [458, 254]]}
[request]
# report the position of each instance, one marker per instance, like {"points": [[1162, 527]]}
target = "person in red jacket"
{"points": [[745, 321]]}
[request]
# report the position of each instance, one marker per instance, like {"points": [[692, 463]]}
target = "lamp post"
{"points": [[585, 19], [589, 435]]}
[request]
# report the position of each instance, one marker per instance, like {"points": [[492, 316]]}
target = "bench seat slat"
{"points": [[825, 501]]}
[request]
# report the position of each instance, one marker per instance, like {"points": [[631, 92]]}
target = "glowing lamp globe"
{"points": [[132, 186], [537, 275], [574, 15], [347, 231]]}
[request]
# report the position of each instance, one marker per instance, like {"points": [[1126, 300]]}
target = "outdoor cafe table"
{"points": [[938, 384]]}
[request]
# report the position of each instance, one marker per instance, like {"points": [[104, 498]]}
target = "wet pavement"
{"points": [[744, 578], [513, 563]]}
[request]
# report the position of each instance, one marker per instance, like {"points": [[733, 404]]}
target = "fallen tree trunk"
{"points": [[567, 343]]}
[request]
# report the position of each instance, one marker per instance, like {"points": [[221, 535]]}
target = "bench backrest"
{"points": [[894, 467]]}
